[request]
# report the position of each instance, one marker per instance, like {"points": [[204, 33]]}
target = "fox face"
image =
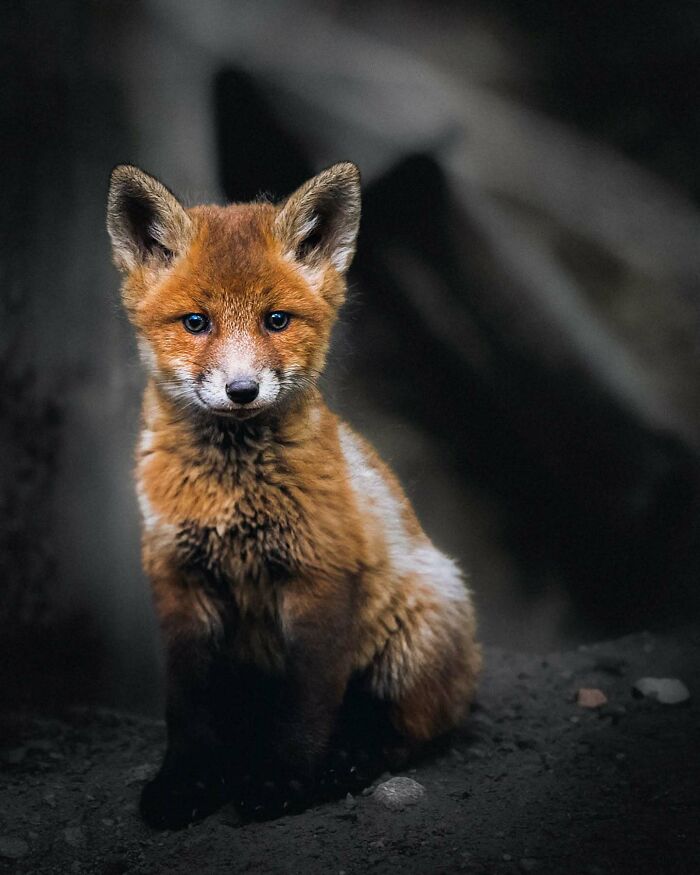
{"points": [[234, 305]]}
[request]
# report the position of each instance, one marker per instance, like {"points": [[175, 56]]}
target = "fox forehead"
{"points": [[235, 268], [234, 242]]}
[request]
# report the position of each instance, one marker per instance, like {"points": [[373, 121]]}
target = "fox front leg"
{"points": [[318, 667], [193, 780]]}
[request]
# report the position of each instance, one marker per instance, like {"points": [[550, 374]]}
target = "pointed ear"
{"points": [[146, 222], [319, 222]]}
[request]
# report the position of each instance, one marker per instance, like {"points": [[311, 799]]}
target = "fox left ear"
{"points": [[146, 222], [319, 222]]}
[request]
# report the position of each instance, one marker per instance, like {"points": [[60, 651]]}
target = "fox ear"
{"points": [[146, 222], [319, 222]]}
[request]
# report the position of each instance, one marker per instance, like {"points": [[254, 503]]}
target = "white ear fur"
{"points": [[320, 221], [145, 221]]}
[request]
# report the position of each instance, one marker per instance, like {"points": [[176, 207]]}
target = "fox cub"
{"points": [[289, 572]]}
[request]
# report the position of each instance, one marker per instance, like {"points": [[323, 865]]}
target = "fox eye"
{"points": [[277, 321], [195, 323]]}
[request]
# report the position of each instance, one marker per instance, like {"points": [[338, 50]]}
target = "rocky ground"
{"points": [[536, 783]]}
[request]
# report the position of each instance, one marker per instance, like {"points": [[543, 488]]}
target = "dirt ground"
{"points": [[534, 783]]}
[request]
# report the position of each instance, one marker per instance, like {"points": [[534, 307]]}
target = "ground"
{"points": [[534, 783]]}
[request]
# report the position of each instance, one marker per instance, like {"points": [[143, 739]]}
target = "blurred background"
{"points": [[522, 336]]}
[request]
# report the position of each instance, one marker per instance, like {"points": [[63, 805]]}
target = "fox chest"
{"points": [[239, 540], [244, 553]]}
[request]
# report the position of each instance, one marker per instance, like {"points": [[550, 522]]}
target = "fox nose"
{"points": [[242, 391]]}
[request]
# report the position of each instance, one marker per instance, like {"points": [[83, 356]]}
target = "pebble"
{"points": [[396, 793], [528, 864], [12, 848], [590, 697], [668, 691]]}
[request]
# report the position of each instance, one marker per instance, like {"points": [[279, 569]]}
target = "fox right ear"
{"points": [[320, 220], [146, 222]]}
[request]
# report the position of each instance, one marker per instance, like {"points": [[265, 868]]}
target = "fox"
{"points": [[289, 573]]}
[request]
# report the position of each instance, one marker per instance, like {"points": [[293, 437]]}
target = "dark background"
{"points": [[521, 340]]}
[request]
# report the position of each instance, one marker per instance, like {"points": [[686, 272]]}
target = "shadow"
{"points": [[256, 155], [589, 494]]}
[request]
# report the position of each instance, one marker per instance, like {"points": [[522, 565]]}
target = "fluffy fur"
{"points": [[287, 565]]}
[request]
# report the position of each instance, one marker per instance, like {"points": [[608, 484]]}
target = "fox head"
{"points": [[234, 305]]}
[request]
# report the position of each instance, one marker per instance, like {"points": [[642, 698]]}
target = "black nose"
{"points": [[242, 391]]}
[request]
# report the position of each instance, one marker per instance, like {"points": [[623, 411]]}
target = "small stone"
{"points": [[590, 697], [12, 848], [668, 691], [74, 836], [528, 864], [350, 801], [396, 793], [506, 858], [50, 799]]}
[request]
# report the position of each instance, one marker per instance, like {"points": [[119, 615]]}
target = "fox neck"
{"points": [[292, 423]]}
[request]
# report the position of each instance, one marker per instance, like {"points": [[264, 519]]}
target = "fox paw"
{"points": [[169, 803], [267, 799]]}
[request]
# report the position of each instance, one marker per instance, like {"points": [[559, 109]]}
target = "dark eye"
{"points": [[195, 323], [276, 321]]}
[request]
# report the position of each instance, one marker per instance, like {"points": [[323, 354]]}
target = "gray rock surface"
{"points": [[519, 788]]}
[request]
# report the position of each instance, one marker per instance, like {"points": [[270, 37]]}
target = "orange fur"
{"points": [[293, 516]]}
